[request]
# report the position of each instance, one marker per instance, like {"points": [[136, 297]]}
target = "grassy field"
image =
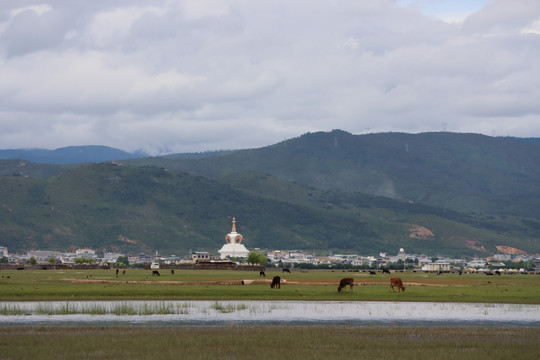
{"points": [[43, 285], [268, 342], [264, 342]]}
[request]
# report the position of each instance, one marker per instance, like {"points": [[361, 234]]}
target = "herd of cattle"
{"points": [[343, 283], [395, 282]]}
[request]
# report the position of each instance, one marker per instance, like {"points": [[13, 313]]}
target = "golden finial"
{"points": [[233, 225]]}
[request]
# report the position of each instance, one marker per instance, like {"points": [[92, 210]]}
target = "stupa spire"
{"points": [[233, 225]]}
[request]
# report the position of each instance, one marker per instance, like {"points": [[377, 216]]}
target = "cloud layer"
{"points": [[194, 75]]}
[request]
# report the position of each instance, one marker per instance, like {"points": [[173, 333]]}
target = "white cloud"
{"points": [[193, 75]]}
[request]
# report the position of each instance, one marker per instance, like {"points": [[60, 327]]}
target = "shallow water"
{"points": [[268, 312]]}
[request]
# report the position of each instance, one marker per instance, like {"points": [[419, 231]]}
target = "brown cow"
{"points": [[344, 282], [276, 282], [395, 281]]}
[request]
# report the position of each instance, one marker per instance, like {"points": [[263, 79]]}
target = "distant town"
{"points": [[278, 258]]}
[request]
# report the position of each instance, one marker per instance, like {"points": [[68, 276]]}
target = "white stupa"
{"points": [[233, 244]]}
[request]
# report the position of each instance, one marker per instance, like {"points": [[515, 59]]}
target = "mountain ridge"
{"points": [[448, 194]]}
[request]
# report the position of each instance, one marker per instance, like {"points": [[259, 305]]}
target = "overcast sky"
{"points": [[195, 75]]}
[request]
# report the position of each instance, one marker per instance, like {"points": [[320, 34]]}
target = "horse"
{"points": [[286, 270], [395, 281], [276, 282], [344, 282], [155, 272], [262, 274], [386, 271]]}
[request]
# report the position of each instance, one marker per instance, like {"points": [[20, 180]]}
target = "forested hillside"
{"points": [[437, 193], [112, 207], [462, 172]]}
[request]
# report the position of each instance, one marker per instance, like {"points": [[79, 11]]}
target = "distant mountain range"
{"points": [[70, 155], [437, 193]]}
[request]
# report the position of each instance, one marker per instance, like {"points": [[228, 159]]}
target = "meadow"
{"points": [[232, 341], [138, 284], [268, 342]]}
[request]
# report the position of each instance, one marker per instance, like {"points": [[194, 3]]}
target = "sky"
{"points": [[166, 76]]}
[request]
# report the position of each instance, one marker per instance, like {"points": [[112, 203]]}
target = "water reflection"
{"points": [[267, 312]]}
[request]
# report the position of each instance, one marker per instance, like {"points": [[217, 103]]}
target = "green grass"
{"points": [[268, 342], [59, 285]]}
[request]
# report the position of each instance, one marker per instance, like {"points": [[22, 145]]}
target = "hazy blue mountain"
{"points": [[70, 154]]}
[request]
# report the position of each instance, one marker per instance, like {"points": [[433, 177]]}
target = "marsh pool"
{"points": [[267, 313]]}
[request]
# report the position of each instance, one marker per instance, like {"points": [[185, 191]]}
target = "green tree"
{"points": [[122, 261], [255, 257], [52, 260], [83, 260], [4, 260], [32, 261]]}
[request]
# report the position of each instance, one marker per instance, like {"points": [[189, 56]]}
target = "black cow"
{"points": [[262, 274], [286, 270], [276, 282], [155, 272]]}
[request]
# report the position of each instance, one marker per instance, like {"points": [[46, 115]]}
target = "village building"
{"points": [[233, 247], [439, 265], [86, 253], [198, 256], [476, 264], [42, 255], [402, 255], [111, 257]]}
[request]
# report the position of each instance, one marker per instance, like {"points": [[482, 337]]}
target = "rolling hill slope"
{"points": [[126, 208], [466, 173]]}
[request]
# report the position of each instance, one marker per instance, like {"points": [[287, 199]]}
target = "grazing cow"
{"points": [[386, 271], [498, 272], [395, 281], [172, 271], [124, 272], [276, 282], [286, 270], [344, 282], [117, 271], [262, 274], [372, 273], [155, 272]]}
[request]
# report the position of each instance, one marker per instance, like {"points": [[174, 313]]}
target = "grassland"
{"points": [[48, 285], [268, 342], [260, 341]]}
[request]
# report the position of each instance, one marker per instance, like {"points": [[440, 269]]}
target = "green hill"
{"points": [[128, 208], [467, 173]]}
